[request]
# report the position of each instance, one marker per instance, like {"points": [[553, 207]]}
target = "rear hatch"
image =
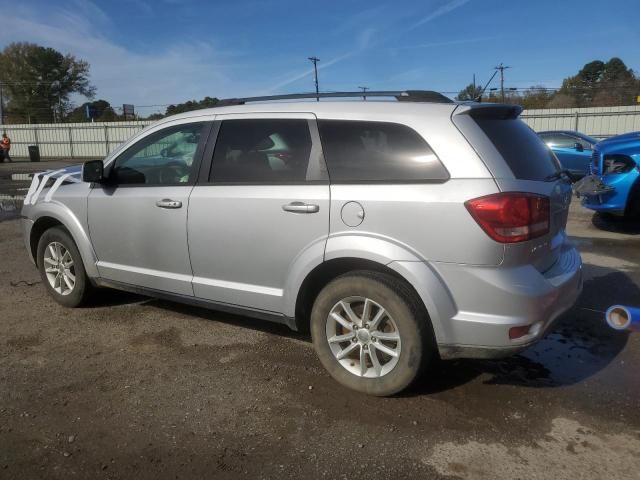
{"points": [[520, 162]]}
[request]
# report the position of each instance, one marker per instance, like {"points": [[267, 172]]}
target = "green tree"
{"points": [[38, 81], [536, 97], [206, 102], [470, 92], [154, 116], [104, 112], [602, 84]]}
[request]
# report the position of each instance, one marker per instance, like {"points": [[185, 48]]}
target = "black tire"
{"points": [[413, 325], [82, 289], [633, 204]]}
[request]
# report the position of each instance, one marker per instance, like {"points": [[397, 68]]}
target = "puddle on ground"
{"points": [[13, 188]]}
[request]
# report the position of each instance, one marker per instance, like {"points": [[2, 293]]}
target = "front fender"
{"points": [[72, 223]]}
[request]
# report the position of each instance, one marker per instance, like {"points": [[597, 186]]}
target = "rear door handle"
{"points": [[301, 207], [168, 203]]}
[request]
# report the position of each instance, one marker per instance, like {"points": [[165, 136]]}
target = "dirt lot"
{"points": [[138, 388]]}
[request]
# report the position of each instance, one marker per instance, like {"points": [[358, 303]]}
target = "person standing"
{"points": [[5, 145]]}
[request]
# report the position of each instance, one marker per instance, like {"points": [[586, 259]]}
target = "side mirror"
{"points": [[578, 146], [93, 171]]}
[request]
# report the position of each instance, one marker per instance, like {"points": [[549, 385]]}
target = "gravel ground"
{"points": [[139, 388]]}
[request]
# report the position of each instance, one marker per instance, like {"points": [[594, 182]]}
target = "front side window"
{"points": [[165, 157], [563, 140], [262, 151], [360, 151], [558, 140]]}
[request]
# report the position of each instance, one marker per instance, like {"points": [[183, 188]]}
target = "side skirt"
{"points": [[200, 302]]}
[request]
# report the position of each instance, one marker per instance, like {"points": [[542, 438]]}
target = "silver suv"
{"points": [[395, 231]]}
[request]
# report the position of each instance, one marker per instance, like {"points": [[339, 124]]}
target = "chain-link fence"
{"points": [[96, 140]]}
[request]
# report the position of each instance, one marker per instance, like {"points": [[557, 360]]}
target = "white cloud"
{"points": [[369, 28], [180, 72], [362, 39], [299, 76], [189, 70], [447, 7]]}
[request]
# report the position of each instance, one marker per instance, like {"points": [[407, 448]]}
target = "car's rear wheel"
{"points": [[371, 333], [61, 268]]}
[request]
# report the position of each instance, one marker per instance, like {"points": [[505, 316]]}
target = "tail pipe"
{"points": [[620, 317]]}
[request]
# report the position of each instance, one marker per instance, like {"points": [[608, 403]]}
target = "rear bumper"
{"points": [[491, 301]]}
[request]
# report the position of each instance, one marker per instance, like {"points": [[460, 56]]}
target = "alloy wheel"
{"points": [[59, 268], [363, 337]]}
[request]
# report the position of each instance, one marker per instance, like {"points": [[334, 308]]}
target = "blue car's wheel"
{"points": [[633, 203]]}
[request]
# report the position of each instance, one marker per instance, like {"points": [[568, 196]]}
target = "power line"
{"points": [[315, 61]]}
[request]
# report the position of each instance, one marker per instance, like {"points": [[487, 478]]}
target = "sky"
{"points": [[152, 53]]}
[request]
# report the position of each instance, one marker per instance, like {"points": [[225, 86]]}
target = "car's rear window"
{"points": [[377, 152], [527, 155]]}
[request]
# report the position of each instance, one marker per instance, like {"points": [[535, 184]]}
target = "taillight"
{"points": [[511, 217]]}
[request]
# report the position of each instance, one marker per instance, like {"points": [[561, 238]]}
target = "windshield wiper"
{"points": [[565, 174]]}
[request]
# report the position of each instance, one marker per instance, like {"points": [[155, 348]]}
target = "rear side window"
{"points": [[360, 152], [261, 151], [526, 154]]}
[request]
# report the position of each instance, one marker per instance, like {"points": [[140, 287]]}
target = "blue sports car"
{"points": [[573, 149], [614, 183]]}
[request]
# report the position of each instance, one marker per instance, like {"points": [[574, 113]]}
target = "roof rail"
{"points": [[400, 95]]}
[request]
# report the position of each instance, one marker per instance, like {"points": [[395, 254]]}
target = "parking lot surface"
{"points": [[138, 388]]}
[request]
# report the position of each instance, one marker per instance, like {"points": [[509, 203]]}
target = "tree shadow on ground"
{"points": [[579, 345]]}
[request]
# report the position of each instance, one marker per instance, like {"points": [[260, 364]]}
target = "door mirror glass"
{"points": [[578, 146], [93, 171]]}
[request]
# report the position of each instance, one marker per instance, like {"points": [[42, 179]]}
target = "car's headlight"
{"points": [[617, 164]]}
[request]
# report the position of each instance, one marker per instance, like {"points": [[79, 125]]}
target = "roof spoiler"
{"points": [[491, 110]]}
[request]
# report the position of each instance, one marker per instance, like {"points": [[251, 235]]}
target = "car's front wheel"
{"points": [[633, 206], [371, 333], [61, 268]]}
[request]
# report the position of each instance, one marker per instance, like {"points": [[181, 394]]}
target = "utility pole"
{"points": [[502, 68], [315, 61], [364, 90]]}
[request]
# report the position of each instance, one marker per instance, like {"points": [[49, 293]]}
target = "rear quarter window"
{"points": [[378, 152], [528, 157]]}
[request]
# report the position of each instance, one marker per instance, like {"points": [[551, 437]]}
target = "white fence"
{"points": [[71, 140], [95, 140], [599, 122]]}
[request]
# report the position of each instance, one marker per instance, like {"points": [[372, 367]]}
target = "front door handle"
{"points": [[168, 203], [301, 207]]}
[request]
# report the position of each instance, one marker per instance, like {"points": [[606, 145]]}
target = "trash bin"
{"points": [[34, 153]]}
